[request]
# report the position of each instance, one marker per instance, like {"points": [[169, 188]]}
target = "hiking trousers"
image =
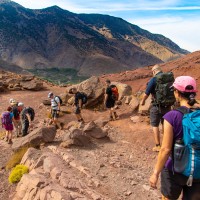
{"points": [[25, 126], [18, 126]]}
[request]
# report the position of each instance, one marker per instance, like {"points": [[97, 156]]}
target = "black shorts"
{"points": [[156, 115], [172, 184], [54, 114], [110, 103]]}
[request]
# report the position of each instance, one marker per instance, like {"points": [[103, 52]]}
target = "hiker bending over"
{"points": [[55, 109], [27, 116], [111, 96], [80, 99], [178, 160], [7, 123], [160, 104]]}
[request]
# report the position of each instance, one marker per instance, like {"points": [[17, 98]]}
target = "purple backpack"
{"points": [[6, 119]]}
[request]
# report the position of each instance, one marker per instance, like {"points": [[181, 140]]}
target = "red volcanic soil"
{"points": [[187, 65]]}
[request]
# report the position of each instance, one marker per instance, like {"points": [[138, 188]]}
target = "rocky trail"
{"points": [[116, 167]]}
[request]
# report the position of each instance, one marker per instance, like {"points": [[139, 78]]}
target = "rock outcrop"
{"points": [[94, 90], [35, 138], [15, 82]]}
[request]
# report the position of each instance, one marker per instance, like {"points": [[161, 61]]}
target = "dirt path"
{"points": [[123, 163]]}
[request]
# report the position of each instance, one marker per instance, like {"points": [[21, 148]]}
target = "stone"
{"points": [[101, 122], [94, 90], [134, 103], [46, 102], [123, 89], [92, 130], [32, 85], [35, 138]]}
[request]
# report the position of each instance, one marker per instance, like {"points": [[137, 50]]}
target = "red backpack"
{"points": [[115, 93]]}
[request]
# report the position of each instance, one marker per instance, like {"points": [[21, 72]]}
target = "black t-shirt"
{"points": [[78, 96], [109, 93]]}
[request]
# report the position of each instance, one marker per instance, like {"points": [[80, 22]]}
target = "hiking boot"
{"points": [[6, 139], [156, 148], [61, 125], [116, 116], [10, 142], [111, 118]]}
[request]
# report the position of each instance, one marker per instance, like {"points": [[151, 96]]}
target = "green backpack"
{"points": [[164, 94]]}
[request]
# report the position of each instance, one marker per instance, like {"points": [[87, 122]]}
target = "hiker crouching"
{"points": [[27, 116], [80, 99]]}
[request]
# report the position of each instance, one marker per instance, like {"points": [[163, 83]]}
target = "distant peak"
{"points": [[5, 1]]}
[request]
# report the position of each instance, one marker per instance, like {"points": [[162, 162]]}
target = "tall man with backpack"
{"points": [[162, 100], [111, 96], [56, 102], [80, 100]]}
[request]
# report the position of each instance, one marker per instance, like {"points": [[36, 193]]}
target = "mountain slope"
{"points": [[90, 44]]}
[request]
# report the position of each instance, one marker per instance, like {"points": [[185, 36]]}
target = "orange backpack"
{"points": [[115, 93]]}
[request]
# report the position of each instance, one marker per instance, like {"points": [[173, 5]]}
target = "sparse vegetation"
{"points": [[59, 76], [16, 158], [2, 135], [17, 173]]}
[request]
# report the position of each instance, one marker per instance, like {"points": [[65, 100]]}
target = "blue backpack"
{"points": [[187, 154]]}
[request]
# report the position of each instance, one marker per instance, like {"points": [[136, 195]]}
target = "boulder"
{"points": [[46, 102], [144, 110], [27, 78], [36, 137], [75, 137], [101, 122], [92, 130], [123, 89], [94, 90], [32, 85], [134, 103]]}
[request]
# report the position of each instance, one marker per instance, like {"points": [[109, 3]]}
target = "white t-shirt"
{"points": [[54, 103]]}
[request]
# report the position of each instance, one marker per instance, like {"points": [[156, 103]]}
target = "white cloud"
{"points": [[184, 32]]}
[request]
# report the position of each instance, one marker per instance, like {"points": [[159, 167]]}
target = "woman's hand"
{"points": [[153, 180]]}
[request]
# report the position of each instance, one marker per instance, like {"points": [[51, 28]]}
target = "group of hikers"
{"points": [[179, 152], [80, 99], [17, 116]]}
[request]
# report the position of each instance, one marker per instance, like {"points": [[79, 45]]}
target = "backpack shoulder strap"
{"points": [[183, 110]]}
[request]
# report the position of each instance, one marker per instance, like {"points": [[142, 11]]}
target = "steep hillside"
{"points": [[90, 44], [187, 65]]}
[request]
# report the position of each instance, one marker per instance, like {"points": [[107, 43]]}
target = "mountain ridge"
{"points": [[92, 44]]}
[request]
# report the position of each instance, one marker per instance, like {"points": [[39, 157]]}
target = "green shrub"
{"points": [[16, 158], [17, 173]]}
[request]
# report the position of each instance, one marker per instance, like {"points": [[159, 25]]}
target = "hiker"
{"points": [[27, 116], [173, 182], [157, 108], [80, 100], [111, 96], [7, 123], [16, 110], [55, 109]]}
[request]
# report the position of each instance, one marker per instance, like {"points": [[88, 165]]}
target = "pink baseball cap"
{"points": [[185, 84]]}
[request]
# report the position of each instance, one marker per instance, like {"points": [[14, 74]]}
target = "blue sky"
{"points": [[178, 20]]}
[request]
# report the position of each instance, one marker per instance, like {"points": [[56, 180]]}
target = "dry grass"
{"points": [[16, 158], [2, 135]]}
